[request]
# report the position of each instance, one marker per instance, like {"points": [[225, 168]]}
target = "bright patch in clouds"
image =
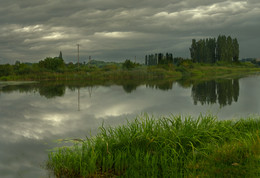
{"points": [[114, 34], [55, 119], [205, 11], [218, 9], [40, 47], [29, 29], [54, 36]]}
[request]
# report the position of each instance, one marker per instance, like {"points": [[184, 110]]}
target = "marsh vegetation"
{"points": [[173, 146]]}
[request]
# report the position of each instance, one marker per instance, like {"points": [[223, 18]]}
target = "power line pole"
{"points": [[78, 56], [78, 99], [89, 59]]}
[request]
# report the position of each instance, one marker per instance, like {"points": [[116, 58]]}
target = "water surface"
{"points": [[33, 116]]}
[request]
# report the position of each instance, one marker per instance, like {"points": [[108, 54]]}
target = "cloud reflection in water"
{"points": [[31, 120]]}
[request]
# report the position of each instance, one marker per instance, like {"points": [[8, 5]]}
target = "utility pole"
{"points": [[89, 59], [78, 99], [78, 56]]}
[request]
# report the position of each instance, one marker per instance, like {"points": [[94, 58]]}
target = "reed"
{"points": [[173, 146]]}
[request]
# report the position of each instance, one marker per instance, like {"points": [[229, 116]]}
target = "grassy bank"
{"points": [[165, 147], [139, 73], [186, 69], [201, 71]]}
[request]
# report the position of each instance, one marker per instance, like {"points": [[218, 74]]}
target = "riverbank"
{"points": [[165, 147], [202, 71], [139, 72]]}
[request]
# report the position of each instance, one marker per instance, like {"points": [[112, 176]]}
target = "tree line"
{"points": [[211, 50], [46, 65], [160, 58]]}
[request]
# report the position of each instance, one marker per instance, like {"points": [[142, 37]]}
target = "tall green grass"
{"points": [[173, 146]]}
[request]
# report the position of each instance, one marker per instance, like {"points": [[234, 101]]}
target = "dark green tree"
{"points": [[60, 55], [201, 54], [170, 58], [128, 64], [221, 48], [6, 70], [203, 50], [52, 63], [235, 50], [229, 49], [193, 50], [211, 48], [160, 58]]}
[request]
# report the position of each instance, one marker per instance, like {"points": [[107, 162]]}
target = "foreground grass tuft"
{"points": [[165, 147]]}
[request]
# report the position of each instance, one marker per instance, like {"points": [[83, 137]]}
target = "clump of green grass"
{"points": [[172, 146]]}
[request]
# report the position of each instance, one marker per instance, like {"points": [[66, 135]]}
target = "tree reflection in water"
{"points": [[162, 85], [223, 92], [51, 91]]}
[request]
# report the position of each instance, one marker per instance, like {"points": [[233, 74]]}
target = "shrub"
{"points": [[128, 64]]}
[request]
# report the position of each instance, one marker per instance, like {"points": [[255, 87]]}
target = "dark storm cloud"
{"points": [[31, 30]]}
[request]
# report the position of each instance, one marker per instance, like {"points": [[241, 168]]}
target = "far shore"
{"points": [[112, 72]]}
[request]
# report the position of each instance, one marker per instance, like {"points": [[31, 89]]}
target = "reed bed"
{"points": [[173, 146]]}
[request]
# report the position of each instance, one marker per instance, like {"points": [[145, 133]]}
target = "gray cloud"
{"points": [[31, 30]]}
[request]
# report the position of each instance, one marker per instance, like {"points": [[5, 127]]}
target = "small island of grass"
{"points": [[165, 147]]}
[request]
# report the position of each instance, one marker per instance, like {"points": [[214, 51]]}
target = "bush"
{"points": [[128, 64], [52, 63], [6, 70]]}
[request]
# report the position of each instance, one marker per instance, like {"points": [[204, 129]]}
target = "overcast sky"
{"points": [[115, 30]]}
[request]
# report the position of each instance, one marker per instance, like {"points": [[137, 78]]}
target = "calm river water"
{"points": [[33, 116]]}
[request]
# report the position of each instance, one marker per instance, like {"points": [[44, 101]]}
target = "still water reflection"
{"points": [[34, 115], [222, 92]]}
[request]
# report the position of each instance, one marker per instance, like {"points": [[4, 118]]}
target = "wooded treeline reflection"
{"points": [[221, 91], [47, 90]]}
